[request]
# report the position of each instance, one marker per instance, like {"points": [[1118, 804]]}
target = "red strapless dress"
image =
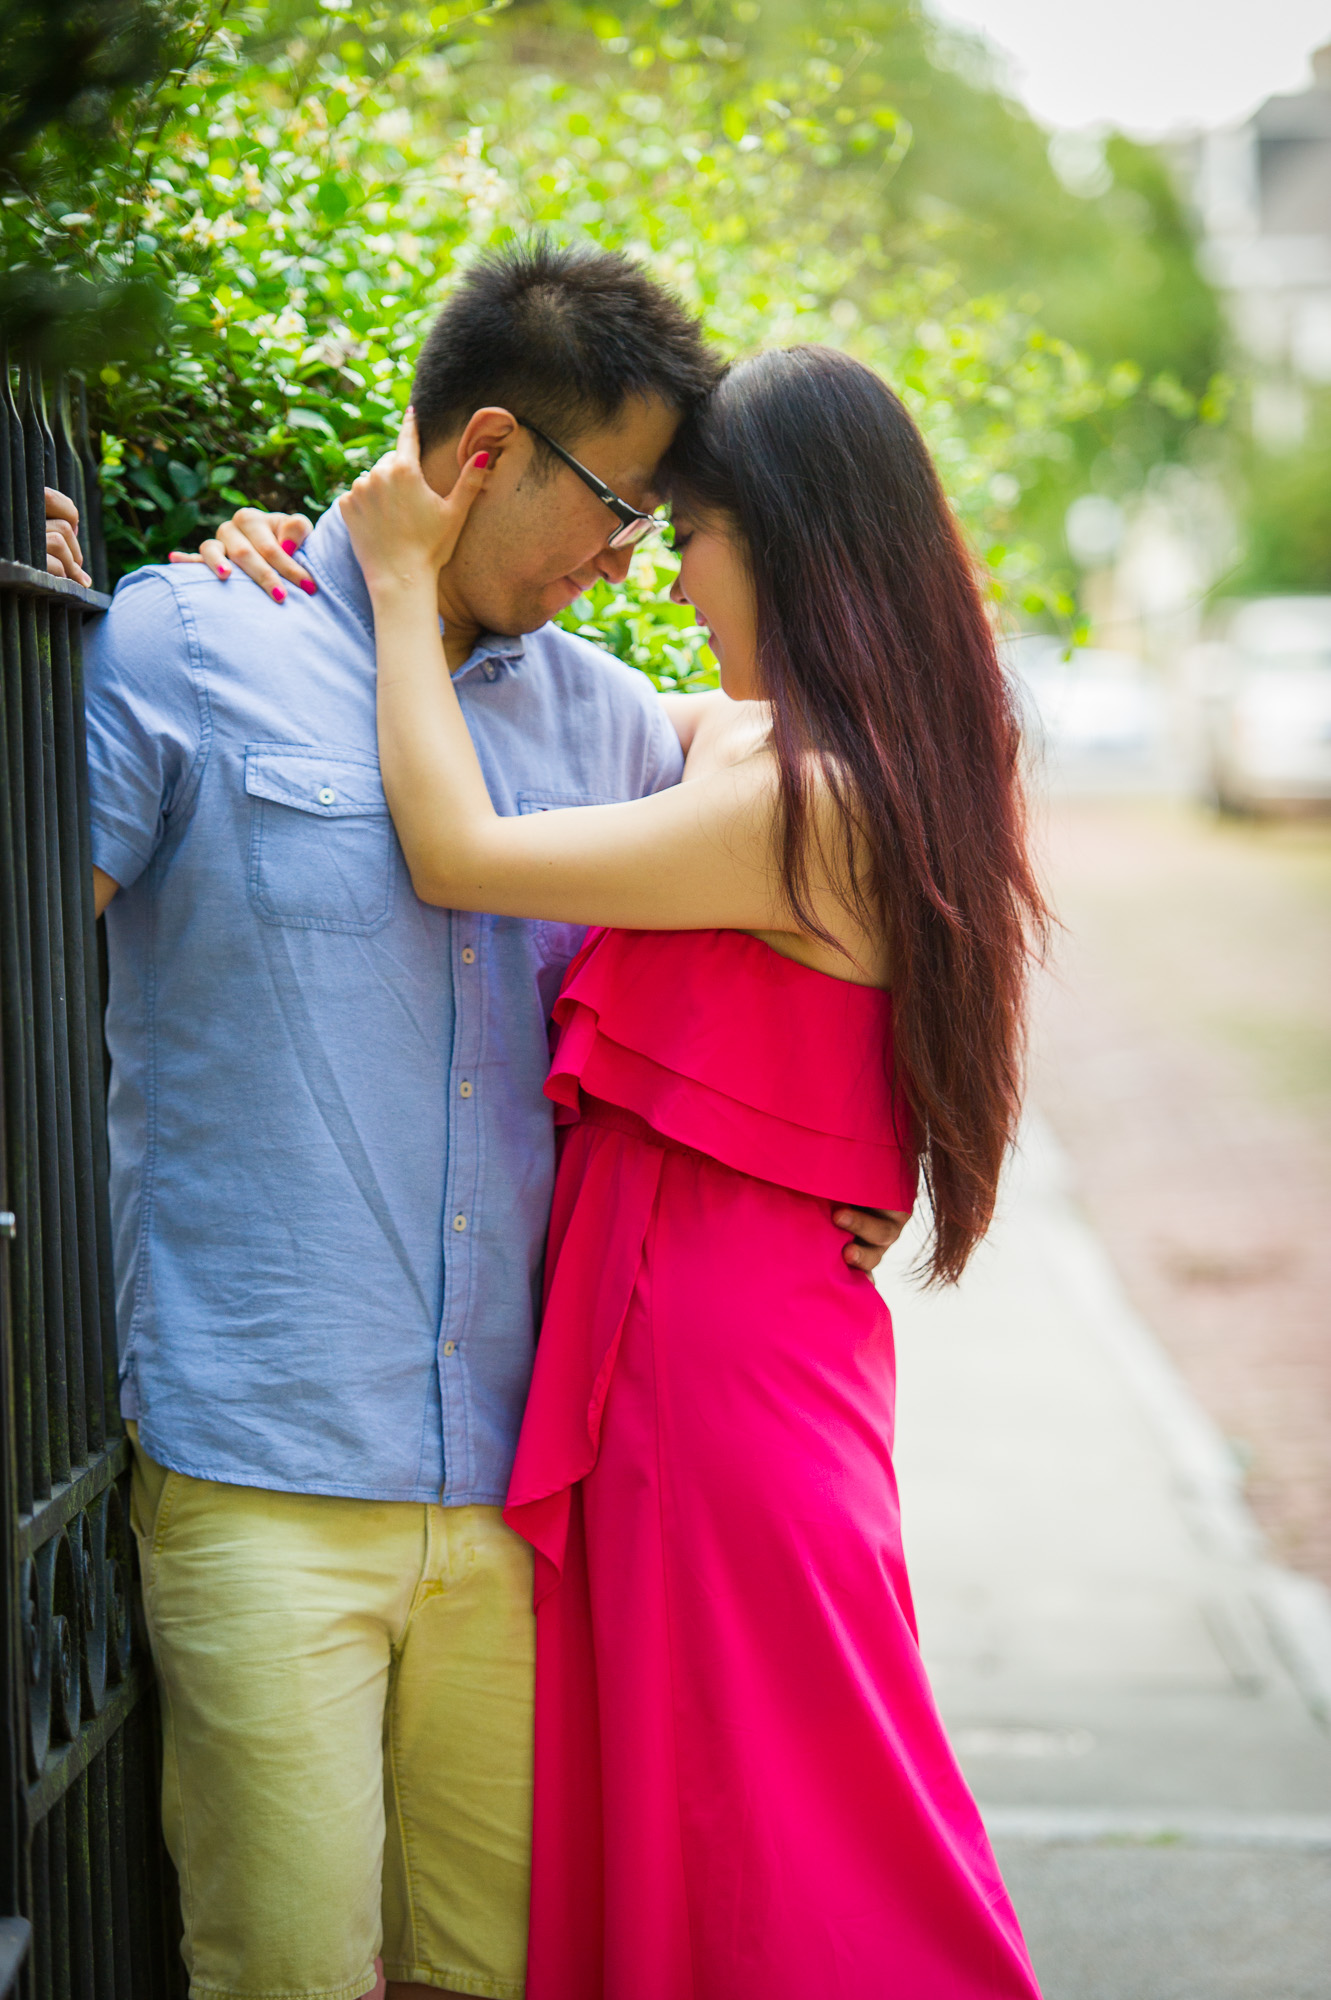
{"points": [[743, 1789]]}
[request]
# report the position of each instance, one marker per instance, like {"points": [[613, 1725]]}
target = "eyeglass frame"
{"points": [[628, 517]]}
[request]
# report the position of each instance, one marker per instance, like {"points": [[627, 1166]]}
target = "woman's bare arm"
{"points": [[695, 857]]}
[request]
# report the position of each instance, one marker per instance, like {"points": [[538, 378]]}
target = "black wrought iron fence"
{"points": [[88, 1907]]}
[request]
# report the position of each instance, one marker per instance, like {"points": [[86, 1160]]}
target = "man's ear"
{"points": [[491, 430]]}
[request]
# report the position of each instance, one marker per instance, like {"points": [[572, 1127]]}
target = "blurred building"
{"points": [[1263, 195]]}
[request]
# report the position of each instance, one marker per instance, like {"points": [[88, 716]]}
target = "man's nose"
{"points": [[613, 564]]}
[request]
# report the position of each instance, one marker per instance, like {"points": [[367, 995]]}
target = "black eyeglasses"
{"points": [[633, 525]]}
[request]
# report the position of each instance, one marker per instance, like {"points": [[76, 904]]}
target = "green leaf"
{"points": [[187, 482], [148, 483], [310, 420], [332, 200]]}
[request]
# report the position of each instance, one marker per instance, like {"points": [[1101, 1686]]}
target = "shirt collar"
{"points": [[493, 654], [331, 560]]}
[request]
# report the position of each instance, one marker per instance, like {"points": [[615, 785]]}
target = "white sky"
{"points": [[1148, 66]]}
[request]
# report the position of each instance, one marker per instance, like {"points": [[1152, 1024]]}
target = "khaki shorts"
{"points": [[347, 1712]]}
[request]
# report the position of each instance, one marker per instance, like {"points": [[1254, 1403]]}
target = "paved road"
{"points": [[1131, 1686], [1183, 1055]]}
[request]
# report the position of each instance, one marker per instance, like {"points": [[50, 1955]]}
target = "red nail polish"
{"points": [[288, 547], [279, 595], [482, 460], [308, 585], [223, 571]]}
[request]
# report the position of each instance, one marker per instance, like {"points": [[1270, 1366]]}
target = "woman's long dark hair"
{"points": [[877, 657]]}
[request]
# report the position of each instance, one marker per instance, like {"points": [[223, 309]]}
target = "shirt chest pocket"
{"points": [[558, 943], [322, 850]]}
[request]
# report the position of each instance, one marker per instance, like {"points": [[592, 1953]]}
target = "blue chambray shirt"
{"points": [[331, 1159]]}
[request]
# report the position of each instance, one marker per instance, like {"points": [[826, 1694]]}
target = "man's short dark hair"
{"points": [[562, 338]]}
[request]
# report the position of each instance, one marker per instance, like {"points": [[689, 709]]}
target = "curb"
{"points": [[1076, 1826]]}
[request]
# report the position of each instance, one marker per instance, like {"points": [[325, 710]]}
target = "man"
{"points": [[332, 1163]]}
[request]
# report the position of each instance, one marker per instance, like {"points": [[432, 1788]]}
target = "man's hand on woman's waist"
{"points": [[874, 1230]]}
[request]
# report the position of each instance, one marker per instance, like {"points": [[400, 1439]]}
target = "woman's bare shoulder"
{"points": [[685, 712], [727, 732]]}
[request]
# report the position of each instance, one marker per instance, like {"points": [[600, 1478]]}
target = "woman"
{"points": [[809, 978]]}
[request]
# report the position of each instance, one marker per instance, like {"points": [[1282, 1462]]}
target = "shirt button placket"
{"points": [[463, 1149]]}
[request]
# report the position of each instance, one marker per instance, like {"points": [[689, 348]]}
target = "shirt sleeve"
{"points": [[145, 723], [663, 759]]}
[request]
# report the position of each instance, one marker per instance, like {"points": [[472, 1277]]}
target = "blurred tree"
{"points": [[1087, 238], [301, 180], [1286, 514]]}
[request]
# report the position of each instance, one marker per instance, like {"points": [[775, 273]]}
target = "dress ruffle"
{"points": [[796, 1086], [793, 1087]]}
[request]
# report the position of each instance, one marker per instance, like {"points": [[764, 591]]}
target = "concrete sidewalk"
{"points": [[1138, 1698]]}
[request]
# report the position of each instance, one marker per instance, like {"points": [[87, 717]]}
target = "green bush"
{"points": [[301, 185]]}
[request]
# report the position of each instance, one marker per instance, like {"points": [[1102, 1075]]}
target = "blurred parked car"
{"points": [[1094, 721], [1263, 705]]}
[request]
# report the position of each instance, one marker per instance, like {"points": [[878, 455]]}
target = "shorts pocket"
{"points": [[322, 848], [153, 1490]]}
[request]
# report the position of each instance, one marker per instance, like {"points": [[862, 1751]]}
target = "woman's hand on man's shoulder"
{"points": [[262, 545]]}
